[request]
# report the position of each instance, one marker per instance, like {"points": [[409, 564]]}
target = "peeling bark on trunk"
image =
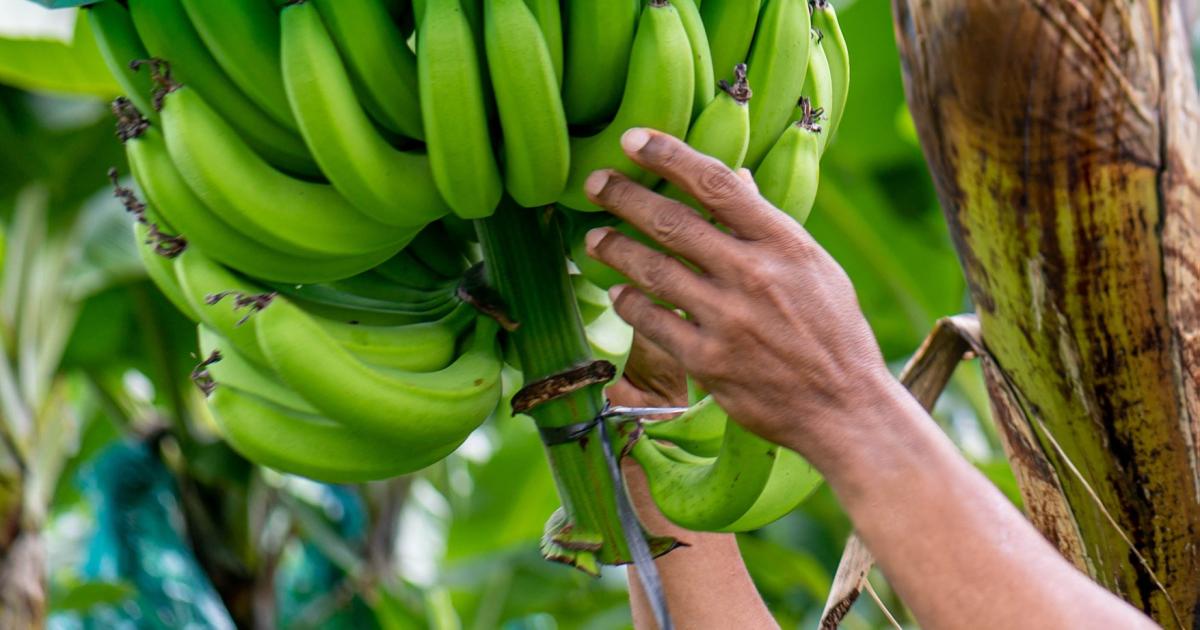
{"points": [[1064, 141]]}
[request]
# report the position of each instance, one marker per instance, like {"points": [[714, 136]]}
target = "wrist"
{"points": [[883, 429]]}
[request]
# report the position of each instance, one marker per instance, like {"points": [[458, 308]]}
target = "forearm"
{"points": [[958, 553], [706, 583]]}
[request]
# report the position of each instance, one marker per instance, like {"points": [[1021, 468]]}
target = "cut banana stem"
{"points": [[522, 253]]}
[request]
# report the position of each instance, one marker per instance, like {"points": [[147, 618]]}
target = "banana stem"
{"points": [[523, 254]]}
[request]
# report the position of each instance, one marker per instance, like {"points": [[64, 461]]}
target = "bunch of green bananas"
{"points": [[320, 157]]}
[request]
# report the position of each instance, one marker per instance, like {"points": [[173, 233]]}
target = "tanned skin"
{"points": [[775, 334]]}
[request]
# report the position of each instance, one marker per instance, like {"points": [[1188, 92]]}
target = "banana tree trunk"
{"points": [[1064, 141]]}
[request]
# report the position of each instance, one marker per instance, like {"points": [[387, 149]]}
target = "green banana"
{"points": [[297, 217], [598, 40], [681, 456], [309, 445], [659, 94], [344, 306], [537, 149], [778, 63], [593, 301], [699, 431], [818, 90], [170, 196], [610, 338], [405, 269], [549, 18], [383, 67], [425, 410], [593, 270], [454, 112], [792, 480], [833, 43], [213, 295], [270, 424], [420, 347], [374, 286], [119, 45], [706, 87], [243, 37], [168, 34], [230, 367], [392, 187], [730, 25], [721, 131], [439, 251], [161, 271], [711, 493], [789, 174]]}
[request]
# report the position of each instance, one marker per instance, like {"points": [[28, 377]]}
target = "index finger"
{"points": [[731, 200]]}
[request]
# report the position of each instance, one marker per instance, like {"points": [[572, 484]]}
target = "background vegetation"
{"points": [[109, 456]]}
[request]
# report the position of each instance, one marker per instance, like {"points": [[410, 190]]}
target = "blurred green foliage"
{"points": [[454, 546]]}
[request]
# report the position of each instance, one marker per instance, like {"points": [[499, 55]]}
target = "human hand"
{"points": [[774, 330]]}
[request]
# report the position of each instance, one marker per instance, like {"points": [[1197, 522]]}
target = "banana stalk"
{"points": [[523, 255]]}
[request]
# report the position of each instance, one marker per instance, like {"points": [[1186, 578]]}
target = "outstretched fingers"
{"points": [[661, 326], [655, 272], [728, 196], [674, 225]]}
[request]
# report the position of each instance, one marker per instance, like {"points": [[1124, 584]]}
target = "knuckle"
{"points": [[627, 305], [668, 225], [656, 273], [663, 150], [756, 274], [738, 319], [717, 182], [619, 193], [707, 357]]}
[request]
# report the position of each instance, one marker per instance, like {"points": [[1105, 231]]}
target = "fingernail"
{"points": [[593, 238], [615, 292], [596, 182], [634, 140]]}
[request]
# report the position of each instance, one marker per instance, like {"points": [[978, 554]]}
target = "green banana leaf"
{"points": [[53, 65]]}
